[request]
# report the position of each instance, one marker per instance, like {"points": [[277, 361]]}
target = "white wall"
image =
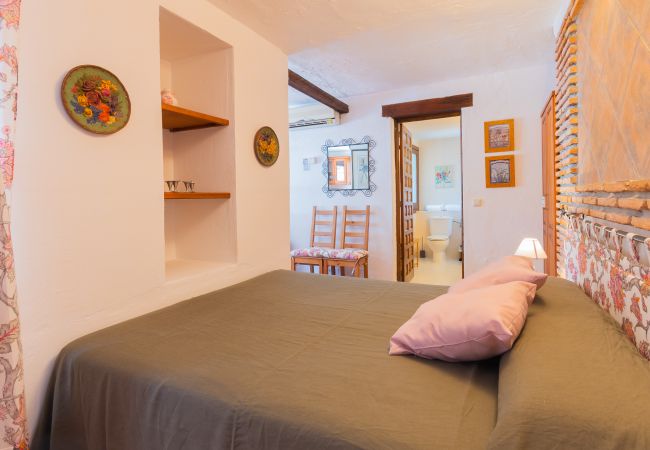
{"points": [[306, 186], [433, 153], [507, 215], [559, 17], [88, 210]]}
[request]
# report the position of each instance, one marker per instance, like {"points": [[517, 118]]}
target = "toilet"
{"points": [[438, 239]]}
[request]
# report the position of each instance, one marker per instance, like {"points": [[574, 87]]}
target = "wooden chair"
{"points": [[322, 240], [353, 251]]}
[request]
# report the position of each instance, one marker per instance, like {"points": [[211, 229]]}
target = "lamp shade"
{"points": [[531, 248]]}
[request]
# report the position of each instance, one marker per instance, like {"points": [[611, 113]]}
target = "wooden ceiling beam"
{"points": [[433, 107], [310, 89]]}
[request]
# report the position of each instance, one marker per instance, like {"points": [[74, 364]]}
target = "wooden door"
{"points": [[406, 250], [548, 185]]}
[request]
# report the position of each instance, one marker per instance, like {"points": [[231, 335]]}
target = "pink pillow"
{"points": [[505, 270], [471, 326]]}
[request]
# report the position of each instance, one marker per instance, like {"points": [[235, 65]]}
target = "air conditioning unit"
{"points": [[312, 116]]}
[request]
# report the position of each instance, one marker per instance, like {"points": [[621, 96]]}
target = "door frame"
{"points": [[433, 108]]}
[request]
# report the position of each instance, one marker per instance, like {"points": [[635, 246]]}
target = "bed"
{"points": [[299, 361]]}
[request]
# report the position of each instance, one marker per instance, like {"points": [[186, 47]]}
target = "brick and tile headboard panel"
{"points": [[603, 157], [614, 91]]}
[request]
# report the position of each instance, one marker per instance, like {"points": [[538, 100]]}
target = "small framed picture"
{"points": [[443, 177], [500, 171], [500, 136]]}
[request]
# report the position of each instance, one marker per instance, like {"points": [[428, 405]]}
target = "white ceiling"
{"points": [[425, 130], [352, 47]]}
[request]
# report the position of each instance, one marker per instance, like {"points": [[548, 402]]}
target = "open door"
{"points": [[548, 185], [405, 210]]}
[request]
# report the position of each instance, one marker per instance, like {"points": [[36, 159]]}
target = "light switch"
{"points": [[308, 162], [478, 202]]}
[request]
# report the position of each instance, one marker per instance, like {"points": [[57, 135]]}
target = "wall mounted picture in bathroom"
{"points": [[500, 136], [348, 167], [444, 177], [500, 171]]}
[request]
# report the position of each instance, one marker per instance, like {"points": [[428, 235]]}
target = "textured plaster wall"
{"points": [[614, 90], [88, 210], [492, 230]]}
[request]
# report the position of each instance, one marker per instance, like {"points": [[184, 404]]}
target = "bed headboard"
{"points": [[602, 159], [613, 268]]}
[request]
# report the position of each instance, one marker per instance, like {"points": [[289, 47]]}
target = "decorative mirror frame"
{"points": [[372, 187]]}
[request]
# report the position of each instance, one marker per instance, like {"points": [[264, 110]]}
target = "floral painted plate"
{"points": [[95, 99], [267, 146]]}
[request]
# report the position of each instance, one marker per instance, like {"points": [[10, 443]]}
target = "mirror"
{"points": [[348, 167]]}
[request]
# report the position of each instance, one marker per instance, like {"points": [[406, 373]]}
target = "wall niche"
{"points": [[198, 146]]}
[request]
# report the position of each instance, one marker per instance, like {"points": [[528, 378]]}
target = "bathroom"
{"points": [[437, 195]]}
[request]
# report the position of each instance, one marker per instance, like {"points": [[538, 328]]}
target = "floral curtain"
{"points": [[13, 433]]}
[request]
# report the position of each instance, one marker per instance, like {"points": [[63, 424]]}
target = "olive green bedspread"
{"points": [[300, 361], [283, 361]]}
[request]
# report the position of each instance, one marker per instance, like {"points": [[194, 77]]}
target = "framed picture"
{"points": [[500, 136], [500, 171], [444, 177]]}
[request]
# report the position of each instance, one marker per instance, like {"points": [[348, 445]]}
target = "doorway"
{"points": [[407, 204], [437, 200]]}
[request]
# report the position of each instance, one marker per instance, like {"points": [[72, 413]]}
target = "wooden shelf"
{"points": [[195, 195], [175, 118]]}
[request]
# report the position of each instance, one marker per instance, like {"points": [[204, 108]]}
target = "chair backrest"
{"points": [[356, 223], [323, 228]]}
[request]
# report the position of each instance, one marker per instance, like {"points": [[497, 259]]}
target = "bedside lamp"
{"points": [[531, 248]]}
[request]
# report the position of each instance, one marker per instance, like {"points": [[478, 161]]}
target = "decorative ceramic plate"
{"points": [[267, 146], [95, 99]]}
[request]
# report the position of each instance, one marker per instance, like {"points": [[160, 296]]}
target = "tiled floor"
{"points": [[444, 273]]}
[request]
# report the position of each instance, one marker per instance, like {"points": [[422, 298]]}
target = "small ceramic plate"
{"points": [[95, 99], [267, 146]]}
